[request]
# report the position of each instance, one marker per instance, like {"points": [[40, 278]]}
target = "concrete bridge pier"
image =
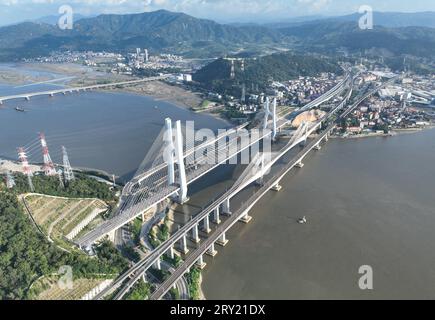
{"points": [[183, 247], [246, 218], [211, 251], [222, 241], [51, 95], [216, 217], [299, 164], [195, 237], [226, 207], [200, 263], [171, 253], [111, 235], [277, 187], [318, 147], [27, 98], [206, 226], [157, 265], [1, 102]]}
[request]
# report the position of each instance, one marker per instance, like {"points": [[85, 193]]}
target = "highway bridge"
{"points": [[241, 214], [217, 207], [152, 186], [51, 93], [254, 171]]}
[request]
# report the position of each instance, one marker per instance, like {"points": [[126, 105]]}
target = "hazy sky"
{"points": [[221, 10]]}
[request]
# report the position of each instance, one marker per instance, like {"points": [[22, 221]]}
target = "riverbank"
{"points": [[392, 133], [11, 166], [25, 73], [162, 91]]}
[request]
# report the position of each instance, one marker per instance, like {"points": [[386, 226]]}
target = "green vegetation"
{"points": [[259, 72], [145, 73], [159, 31], [108, 255], [232, 113], [205, 104], [176, 262], [163, 232], [140, 291], [193, 278], [82, 187], [175, 294], [182, 34], [384, 127], [25, 254], [135, 229], [153, 241], [130, 253], [159, 234], [160, 275]]}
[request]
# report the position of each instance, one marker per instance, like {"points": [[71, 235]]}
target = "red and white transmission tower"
{"points": [[48, 164], [26, 168]]}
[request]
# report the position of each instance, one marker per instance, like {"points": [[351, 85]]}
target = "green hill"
{"points": [[158, 30], [328, 36], [183, 34], [258, 72]]}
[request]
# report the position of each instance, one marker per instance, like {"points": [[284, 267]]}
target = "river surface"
{"points": [[108, 131], [367, 201]]}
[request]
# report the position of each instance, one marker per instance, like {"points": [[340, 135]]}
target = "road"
{"points": [[29, 95], [193, 257], [156, 189]]}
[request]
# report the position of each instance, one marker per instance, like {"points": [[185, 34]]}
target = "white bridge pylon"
{"points": [[173, 153], [270, 113]]}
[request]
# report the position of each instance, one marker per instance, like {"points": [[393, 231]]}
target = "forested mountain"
{"points": [[384, 19], [257, 72], [158, 30], [333, 35], [183, 34]]}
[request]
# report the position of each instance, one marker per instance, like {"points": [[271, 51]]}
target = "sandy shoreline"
{"points": [[82, 76], [393, 133]]}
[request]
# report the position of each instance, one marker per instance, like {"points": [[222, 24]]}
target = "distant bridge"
{"points": [[51, 93]]}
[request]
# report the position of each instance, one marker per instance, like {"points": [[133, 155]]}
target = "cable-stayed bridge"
{"points": [[207, 245], [168, 170], [219, 209], [259, 166]]}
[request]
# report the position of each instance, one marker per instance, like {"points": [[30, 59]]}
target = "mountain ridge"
{"points": [[175, 32]]}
